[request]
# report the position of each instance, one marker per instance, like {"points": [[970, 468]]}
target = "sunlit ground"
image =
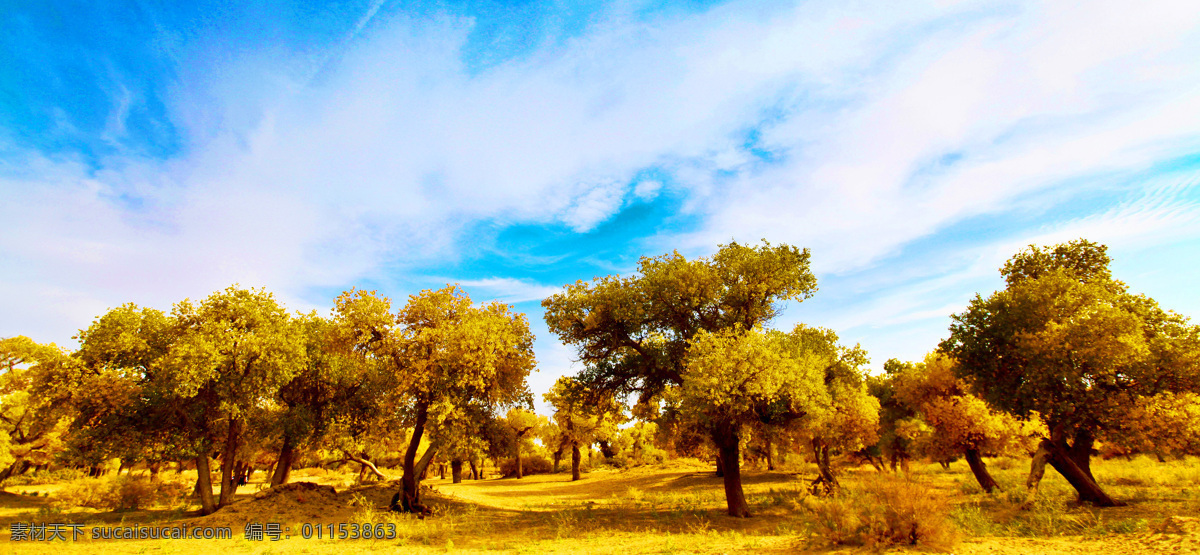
{"points": [[675, 508]]}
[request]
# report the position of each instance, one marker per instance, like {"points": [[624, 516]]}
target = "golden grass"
{"points": [[675, 508]]}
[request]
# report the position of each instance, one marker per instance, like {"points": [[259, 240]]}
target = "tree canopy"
{"points": [[1070, 343]]}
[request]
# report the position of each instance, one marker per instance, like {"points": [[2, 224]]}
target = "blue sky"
{"points": [[152, 151]]}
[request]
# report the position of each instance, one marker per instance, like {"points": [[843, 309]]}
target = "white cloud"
{"points": [[380, 163], [507, 290]]}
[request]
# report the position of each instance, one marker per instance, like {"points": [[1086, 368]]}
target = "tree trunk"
{"points": [[283, 465], [408, 499], [1080, 451], [979, 469], [770, 459], [456, 471], [423, 464], [826, 480], [364, 465], [1037, 469], [1058, 457], [228, 459], [606, 450], [727, 439], [474, 471], [204, 485], [1089, 491], [12, 468], [720, 467], [575, 457], [518, 457]]}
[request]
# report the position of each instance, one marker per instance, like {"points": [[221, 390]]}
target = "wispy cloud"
{"points": [[509, 290], [856, 130]]}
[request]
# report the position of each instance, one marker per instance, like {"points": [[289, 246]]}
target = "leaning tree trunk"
{"points": [[12, 469], [456, 471], [365, 465], [1058, 456], [283, 466], [826, 480], [575, 457], [204, 485], [228, 460], [474, 471], [979, 469], [727, 438], [408, 499], [409, 495], [1081, 451]]}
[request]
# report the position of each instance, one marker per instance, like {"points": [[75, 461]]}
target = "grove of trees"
{"points": [[678, 359]]}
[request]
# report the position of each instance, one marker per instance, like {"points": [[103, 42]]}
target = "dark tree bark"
{"points": [[204, 485], [456, 471], [12, 469], [408, 499], [979, 469], [770, 459], [283, 465], [558, 454], [520, 433], [410, 495], [365, 465], [606, 450], [826, 480], [1058, 456], [228, 460], [575, 458], [1081, 451], [727, 438], [474, 471], [720, 467]]}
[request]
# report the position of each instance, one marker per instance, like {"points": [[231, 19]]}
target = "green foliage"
{"points": [[582, 415], [636, 445], [957, 420], [1068, 342], [849, 420], [34, 414], [737, 378], [530, 465], [238, 344], [632, 333]]}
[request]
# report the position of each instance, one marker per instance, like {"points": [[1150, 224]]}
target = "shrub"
{"points": [[532, 464], [118, 493], [40, 478], [887, 511]]}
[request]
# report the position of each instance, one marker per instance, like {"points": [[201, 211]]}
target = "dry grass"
{"points": [[676, 508]]}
